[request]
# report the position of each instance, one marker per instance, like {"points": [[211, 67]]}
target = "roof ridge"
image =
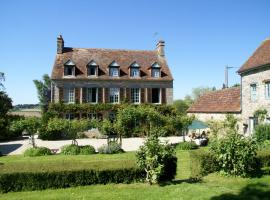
{"points": [[109, 49]]}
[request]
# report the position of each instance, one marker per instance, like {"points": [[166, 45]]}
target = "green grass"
{"points": [[213, 186]]}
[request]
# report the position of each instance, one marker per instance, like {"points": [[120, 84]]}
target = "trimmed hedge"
{"points": [[72, 149], [63, 179], [186, 146], [264, 157], [202, 163], [37, 151]]}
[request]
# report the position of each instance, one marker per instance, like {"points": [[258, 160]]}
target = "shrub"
{"points": [[262, 132], [111, 148], [62, 179], [186, 146], [157, 160], [202, 163], [264, 157], [236, 155], [86, 150], [70, 149], [54, 129], [37, 151]]}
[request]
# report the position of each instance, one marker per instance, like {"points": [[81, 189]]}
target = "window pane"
{"points": [[114, 71], [267, 90], [155, 73], [135, 95], [91, 95], [114, 95], [155, 95], [253, 92], [135, 72]]}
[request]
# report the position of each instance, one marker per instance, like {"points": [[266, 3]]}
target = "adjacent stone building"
{"points": [[90, 75], [253, 94]]}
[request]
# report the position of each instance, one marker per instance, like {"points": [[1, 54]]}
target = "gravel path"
{"points": [[128, 144]]}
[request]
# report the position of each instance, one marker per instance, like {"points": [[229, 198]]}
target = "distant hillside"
{"points": [[25, 106]]}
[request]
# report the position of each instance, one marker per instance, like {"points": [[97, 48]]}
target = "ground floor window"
{"points": [[155, 95], [114, 95], [92, 116], [69, 116], [253, 122], [69, 95], [91, 95], [135, 95]]}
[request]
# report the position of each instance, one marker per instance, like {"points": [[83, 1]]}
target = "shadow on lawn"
{"points": [[8, 148], [179, 181], [251, 191]]}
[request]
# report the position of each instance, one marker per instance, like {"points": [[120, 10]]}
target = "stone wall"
{"points": [[248, 107]]}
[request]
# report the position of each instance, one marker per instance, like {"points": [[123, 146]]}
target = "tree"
{"points": [[199, 91], [43, 90], [2, 78], [5, 104], [181, 106]]}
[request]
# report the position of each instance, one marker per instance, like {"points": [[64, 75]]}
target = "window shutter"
{"points": [[61, 94], [163, 96], [99, 91], [84, 95], [142, 95], [77, 95], [128, 91], [122, 97], [106, 95], [149, 93]]}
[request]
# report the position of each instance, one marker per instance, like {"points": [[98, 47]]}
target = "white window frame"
{"points": [[89, 70], [89, 95], [134, 72], [69, 95], [114, 71], [114, 95], [66, 69], [155, 72], [92, 115], [267, 90], [253, 92], [135, 95]]}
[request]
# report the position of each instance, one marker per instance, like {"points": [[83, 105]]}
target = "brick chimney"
{"points": [[60, 44], [160, 48]]}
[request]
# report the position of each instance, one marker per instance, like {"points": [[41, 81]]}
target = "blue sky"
{"points": [[202, 37]]}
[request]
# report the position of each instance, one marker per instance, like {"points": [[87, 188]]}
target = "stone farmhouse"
{"points": [[90, 75], [253, 94]]}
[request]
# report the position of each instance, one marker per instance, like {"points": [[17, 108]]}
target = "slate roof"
{"points": [[221, 101], [259, 58], [104, 57]]}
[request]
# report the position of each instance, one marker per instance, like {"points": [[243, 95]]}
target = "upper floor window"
{"points": [[114, 95], [92, 68], [91, 95], [135, 95], [267, 90], [69, 68], [114, 69], [253, 92], [155, 71], [135, 70], [69, 95]]}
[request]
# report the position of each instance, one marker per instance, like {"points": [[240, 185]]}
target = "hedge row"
{"points": [[203, 163], [63, 179]]}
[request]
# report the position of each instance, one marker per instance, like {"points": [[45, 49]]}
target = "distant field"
{"points": [[33, 112]]}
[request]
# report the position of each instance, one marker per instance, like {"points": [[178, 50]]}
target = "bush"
{"points": [[157, 160], [73, 149], [264, 157], [37, 151], [236, 155], [202, 163], [70, 149], [262, 132], [111, 148], [87, 150], [55, 129], [63, 179], [186, 146]]}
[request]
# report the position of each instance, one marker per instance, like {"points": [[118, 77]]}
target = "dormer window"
{"points": [[155, 70], [69, 68], [92, 69], [114, 69], [135, 70]]}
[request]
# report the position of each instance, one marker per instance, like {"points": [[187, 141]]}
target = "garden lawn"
{"points": [[213, 186]]}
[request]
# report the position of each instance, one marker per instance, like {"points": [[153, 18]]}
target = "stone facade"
{"points": [[259, 77]]}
